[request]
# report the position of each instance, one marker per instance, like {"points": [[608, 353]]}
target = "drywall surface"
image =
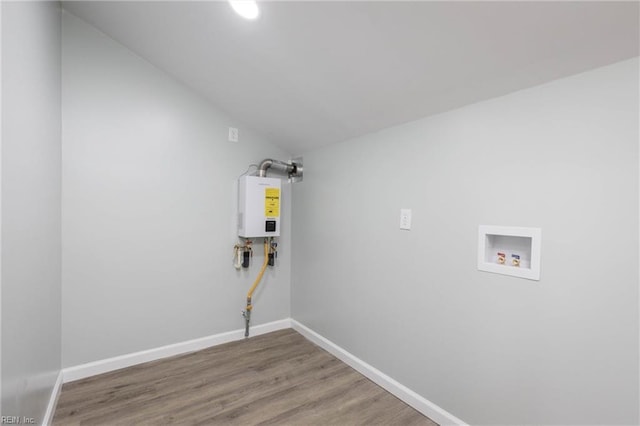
{"points": [[149, 208], [490, 349], [30, 194]]}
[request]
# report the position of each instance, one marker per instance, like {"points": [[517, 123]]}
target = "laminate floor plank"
{"points": [[278, 378]]}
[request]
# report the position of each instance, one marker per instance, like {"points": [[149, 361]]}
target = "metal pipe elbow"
{"points": [[264, 165], [276, 165]]}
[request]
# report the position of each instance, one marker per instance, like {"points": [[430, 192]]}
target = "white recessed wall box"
{"points": [[258, 207], [510, 250]]}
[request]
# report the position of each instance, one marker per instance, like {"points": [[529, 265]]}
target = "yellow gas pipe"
{"points": [[247, 313]]}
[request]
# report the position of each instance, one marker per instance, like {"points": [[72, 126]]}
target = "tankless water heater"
{"points": [[258, 207]]}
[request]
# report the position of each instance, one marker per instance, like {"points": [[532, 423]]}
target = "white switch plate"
{"points": [[405, 219], [233, 134]]}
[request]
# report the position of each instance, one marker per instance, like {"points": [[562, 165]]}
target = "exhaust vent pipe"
{"points": [[293, 169]]}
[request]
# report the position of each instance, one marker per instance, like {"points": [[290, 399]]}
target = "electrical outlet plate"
{"points": [[233, 134], [405, 219]]}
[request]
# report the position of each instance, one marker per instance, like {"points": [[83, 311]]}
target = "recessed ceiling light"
{"points": [[248, 9]]}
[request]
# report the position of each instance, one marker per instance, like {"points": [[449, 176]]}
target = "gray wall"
{"points": [[488, 348], [149, 208], [148, 226], [30, 206]]}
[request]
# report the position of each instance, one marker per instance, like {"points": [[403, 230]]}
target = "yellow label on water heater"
{"points": [[272, 202]]}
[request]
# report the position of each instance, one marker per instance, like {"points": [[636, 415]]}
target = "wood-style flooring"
{"points": [[278, 378]]}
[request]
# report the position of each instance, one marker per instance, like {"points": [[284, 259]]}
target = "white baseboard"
{"points": [[53, 401], [71, 374], [405, 394]]}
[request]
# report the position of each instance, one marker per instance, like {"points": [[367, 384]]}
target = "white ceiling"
{"points": [[307, 74]]}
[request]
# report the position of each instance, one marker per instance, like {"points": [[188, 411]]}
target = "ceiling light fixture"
{"points": [[248, 9]]}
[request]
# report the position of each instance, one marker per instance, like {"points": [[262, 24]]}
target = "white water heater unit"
{"points": [[258, 207]]}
